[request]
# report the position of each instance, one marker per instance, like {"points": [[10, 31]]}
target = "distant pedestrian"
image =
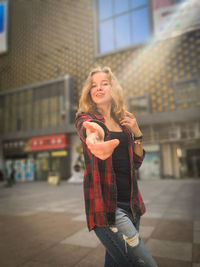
{"points": [[12, 175], [1, 176], [112, 147], [11, 178]]}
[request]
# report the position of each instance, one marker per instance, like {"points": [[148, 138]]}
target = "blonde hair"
{"points": [[118, 105]]}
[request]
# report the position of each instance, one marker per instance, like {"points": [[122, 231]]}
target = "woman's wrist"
{"points": [[138, 142], [137, 135]]}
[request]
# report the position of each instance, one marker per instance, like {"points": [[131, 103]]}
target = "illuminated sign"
{"points": [[3, 26], [49, 142], [61, 153]]}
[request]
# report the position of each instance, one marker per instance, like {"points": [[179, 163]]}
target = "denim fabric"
{"points": [[118, 251]]}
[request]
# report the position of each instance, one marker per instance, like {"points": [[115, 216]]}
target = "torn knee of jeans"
{"points": [[132, 241], [114, 229]]}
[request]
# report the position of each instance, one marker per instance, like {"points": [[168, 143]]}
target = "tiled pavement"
{"points": [[43, 225]]}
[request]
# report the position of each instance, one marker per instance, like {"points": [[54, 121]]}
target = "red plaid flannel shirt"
{"points": [[100, 190]]}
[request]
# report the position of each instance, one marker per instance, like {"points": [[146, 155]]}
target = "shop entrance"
{"points": [[42, 166], [60, 164], [193, 162], [52, 161]]}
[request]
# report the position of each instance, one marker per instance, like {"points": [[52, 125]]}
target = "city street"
{"points": [[43, 225], [124, 75]]}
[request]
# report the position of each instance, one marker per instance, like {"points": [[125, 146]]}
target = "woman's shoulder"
{"points": [[83, 115], [86, 115]]}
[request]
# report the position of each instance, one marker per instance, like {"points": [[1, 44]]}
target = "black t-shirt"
{"points": [[121, 167]]}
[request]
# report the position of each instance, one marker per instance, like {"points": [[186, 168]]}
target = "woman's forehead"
{"points": [[99, 76]]}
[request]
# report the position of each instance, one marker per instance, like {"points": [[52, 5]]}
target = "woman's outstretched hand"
{"points": [[95, 141]]}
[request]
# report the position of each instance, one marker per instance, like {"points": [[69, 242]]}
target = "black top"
{"points": [[121, 167]]}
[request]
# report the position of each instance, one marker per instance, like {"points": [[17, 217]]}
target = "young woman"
{"points": [[112, 146]]}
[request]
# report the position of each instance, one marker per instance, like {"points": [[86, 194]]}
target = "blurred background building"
{"points": [[47, 49]]}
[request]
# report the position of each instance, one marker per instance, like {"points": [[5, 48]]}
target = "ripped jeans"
{"points": [[124, 246]]}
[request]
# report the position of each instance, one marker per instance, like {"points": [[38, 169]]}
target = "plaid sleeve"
{"points": [[138, 160], [82, 117]]}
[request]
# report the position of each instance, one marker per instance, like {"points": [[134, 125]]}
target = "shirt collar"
{"points": [[99, 116]]}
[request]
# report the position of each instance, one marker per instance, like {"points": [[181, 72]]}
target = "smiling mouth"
{"points": [[99, 95]]}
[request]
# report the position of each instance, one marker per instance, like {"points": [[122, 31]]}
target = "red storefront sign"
{"points": [[50, 142]]}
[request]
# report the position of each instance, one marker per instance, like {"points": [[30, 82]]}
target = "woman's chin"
{"points": [[102, 102]]}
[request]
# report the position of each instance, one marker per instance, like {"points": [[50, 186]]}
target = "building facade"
{"points": [[51, 42]]}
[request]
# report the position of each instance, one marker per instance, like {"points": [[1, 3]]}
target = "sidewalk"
{"points": [[43, 225]]}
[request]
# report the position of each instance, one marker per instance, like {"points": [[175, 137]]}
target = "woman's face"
{"points": [[100, 89]]}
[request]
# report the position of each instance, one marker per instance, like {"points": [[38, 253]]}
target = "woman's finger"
{"points": [[130, 114], [103, 150], [125, 121], [89, 126]]}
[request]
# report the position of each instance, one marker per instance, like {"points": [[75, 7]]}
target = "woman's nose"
{"points": [[99, 87]]}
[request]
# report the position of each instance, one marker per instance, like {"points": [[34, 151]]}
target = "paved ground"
{"points": [[43, 225]]}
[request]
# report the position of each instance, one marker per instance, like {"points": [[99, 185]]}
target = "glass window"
{"points": [[123, 37], [106, 36], [139, 105], [29, 109], [25, 110], [45, 112], [21, 115], [36, 115], [105, 9], [2, 101], [7, 113], [138, 3], [53, 111], [13, 115], [121, 6], [122, 23], [140, 25], [187, 91]]}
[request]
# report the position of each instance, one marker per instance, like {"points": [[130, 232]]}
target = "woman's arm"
{"points": [[138, 149], [95, 141], [130, 121]]}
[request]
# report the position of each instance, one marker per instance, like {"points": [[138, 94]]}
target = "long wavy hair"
{"points": [[118, 104]]}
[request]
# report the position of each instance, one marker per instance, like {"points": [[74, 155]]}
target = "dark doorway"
{"points": [[193, 162]]}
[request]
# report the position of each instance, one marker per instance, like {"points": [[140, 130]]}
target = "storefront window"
{"points": [[29, 109], [42, 165]]}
